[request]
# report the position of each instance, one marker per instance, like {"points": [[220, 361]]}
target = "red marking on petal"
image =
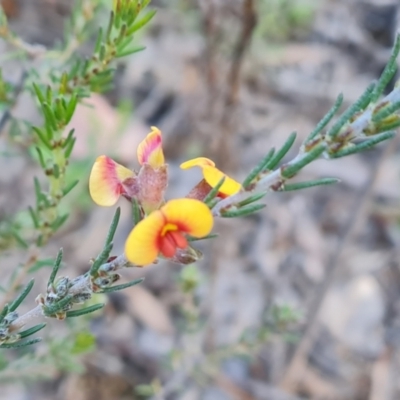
{"points": [[167, 246], [179, 240], [150, 149], [170, 242]]}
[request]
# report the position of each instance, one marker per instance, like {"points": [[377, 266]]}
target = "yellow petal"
{"points": [[198, 162], [189, 215], [142, 245], [105, 181], [213, 175], [150, 149]]}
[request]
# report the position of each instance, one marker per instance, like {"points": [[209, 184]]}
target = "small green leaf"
{"points": [[113, 226], [98, 40], [3, 313], [212, 203], [102, 52], [59, 111], [303, 185], [75, 68], [49, 95], [282, 152], [243, 211], [141, 22], [38, 93], [384, 127], [64, 83], [259, 168], [69, 148], [209, 236], [31, 331], [33, 217], [359, 105], [42, 137], [130, 51], [69, 187], [56, 267], [86, 310], [69, 112], [388, 72], [18, 238], [136, 213], [68, 138], [291, 169], [101, 258], [326, 119], [18, 345], [40, 156], [122, 286], [252, 199], [59, 221], [386, 112], [367, 144], [51, 120], [214, 191], [108, 31], [15, 304]]}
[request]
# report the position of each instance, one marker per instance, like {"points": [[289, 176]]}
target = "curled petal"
{"points": [[142, 245], [213, 175], [189, 215], [106, 181], [198, 162], [150, 149]]}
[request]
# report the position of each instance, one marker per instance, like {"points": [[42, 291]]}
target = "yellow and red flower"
{"points": [[110, 180], [164, 231], [213, 175], [150, 149]]}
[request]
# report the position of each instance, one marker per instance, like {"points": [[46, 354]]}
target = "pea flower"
{"points": [[110, 180], [213, 176], [164, 231]]}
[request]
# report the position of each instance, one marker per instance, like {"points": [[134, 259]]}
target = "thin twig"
{"points": [[248, 23], [210, 28], [82, 284]]}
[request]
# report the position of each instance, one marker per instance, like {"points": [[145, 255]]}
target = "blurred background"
{"points": [[301, 301]]}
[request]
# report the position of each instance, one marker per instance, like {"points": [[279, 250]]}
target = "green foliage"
{"points": [[83, 343], [281, 19], [105, 253], [189, 278], [363, 125], [60, 81]]}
